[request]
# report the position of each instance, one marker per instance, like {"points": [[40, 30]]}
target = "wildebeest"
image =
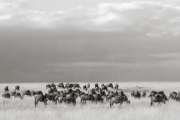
{"points": [[70, 98], [6, 89], [97, 98], [104, 88], [136, 94], [116, 86], [48, 86], [84, 97], [143, 94], [60, 85], [157, 98], [85, 87], [26, 92], [69, 85], [17, 88], [40, 98], [6, 95], [76, 86], [110, 85], [96, 85], [119, 99], [50, 97], [173, 95], [18, 95], [36, 93]]}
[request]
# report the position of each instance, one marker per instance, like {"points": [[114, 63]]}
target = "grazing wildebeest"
{"points": [[60, 85], [136, 94], [70, 98], [157, 98], [18, 95], [110, 85], [119, 99], [26, 92], [6, 95], [6, 89], [69, 85], [40, 98], [76, 86], [97, 97], [96, 85], [85, 87], [173, 95], [51, 97], [116, 86], [144, 94], [17, 88], [84, 97]]}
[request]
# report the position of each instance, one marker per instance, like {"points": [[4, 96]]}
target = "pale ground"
{"points": [[15, 109]]}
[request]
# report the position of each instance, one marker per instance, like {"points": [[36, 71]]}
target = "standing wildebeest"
{"points": [[97, 97], [69, 85], [76, 86], [136, 94], [116, 86], [119, 99], [70, 98], [17, 88], [6, 89], [18, 95], [173, 95], [157, 98], [110, 85], [96, 85], [36, 93], [144, 94], [84, 97], [85, 87], [26, 92], [6, 95], [50, 97], [48, 86], [60, 85], [40, 98]]}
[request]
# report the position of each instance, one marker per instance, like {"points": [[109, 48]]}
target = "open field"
{"points": [[16, 109]]}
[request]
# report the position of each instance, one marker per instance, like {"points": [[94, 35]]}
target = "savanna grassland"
{"points": [[139, 109]]}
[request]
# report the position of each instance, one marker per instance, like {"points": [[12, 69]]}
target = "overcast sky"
{"points": [[89, 40]]}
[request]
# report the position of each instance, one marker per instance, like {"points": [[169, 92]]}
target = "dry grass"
{"points": [[16, 109]]}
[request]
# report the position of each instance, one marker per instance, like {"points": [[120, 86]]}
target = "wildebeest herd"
{"points": [[68, 93]]}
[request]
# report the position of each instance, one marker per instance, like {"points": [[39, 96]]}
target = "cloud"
{"points": [[149, 18]]}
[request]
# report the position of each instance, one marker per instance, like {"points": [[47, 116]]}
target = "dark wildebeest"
{"points": [[36, 93], [18, 95], [144, 94], [96, 85], [111, 95], [51, 97], [85, 87], [48, 86], [119, 99], [6, 95], [173, 95], [116, 86], [12, 93], [157, 98], [136, 94], [40, 98], [6, 89], [110, 85], [76, 86], [26, 92], [104, 88], [69, 85], [97, 98], [70, 98], [17, 88], [60, 85], [84, 97]]}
